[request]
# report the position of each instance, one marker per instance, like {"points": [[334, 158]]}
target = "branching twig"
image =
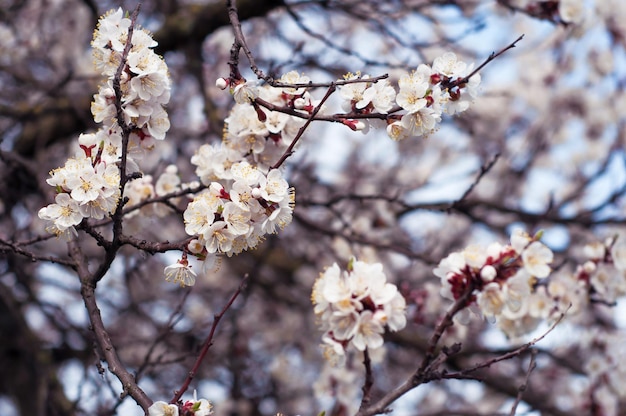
{"points": [[513, 353], [240, 42], [153, 247], [316, 110], [118, 216], [14, 248], [428, 365]]}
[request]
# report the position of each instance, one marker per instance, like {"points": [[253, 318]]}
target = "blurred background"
{"points": [[550, 114]]}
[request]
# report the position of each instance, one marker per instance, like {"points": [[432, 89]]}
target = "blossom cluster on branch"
{"points": [[233, 216], [137, 86], [193, 407], [501, 283], [356, 305], [261, 135], [424, 95]]}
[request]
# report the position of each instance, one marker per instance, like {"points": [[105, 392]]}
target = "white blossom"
{"points": [[161, 408], [355, 306], [181, 273]]}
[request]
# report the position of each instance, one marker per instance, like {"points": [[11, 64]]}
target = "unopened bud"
{"points": [[299, 103], [354, 125], [589, 267], [222, 83], [488, 273], [195, 246]]}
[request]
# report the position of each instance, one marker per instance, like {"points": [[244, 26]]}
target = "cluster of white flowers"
{"points": [[233, 215], [193, 407], [355, 306], [600, 279], [144, 82], [606, 368], [257, 134], [500, 280], [88, 185], [145, 188], [245, 198], [604, 273], [87, 188], [424, 95], [367, 97]]}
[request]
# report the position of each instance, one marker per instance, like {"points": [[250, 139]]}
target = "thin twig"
{"points": [[118, 216], [208, 342], [523, 387], [429, 363], [483, 171], [175, 316], [240, 41], [14, 248], [445, 323], [428, 372], [316, 110], [513, 353], [460, 81]]}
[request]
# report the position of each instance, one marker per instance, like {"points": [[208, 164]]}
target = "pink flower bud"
{"points": [[354, 125]]}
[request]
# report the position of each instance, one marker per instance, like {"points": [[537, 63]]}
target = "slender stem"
{"points": [[421, 374], [208, 342], [494, 55], [126, 129], [524, 386], [240, 40], [369, 380], [316, 110], [445, 323]]}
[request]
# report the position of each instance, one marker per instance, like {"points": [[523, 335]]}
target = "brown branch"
{"points": [[240, 42], [208, 342], [427, 370], [359, 239], [15, 248], [447, 321], [114, 363], [337, 118], [483, 171], [369, 381], [516, 352], [316, 110], [153, 247], [163, 334], [523, 387], [461, 81], [111, 249], [338, 82]]}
